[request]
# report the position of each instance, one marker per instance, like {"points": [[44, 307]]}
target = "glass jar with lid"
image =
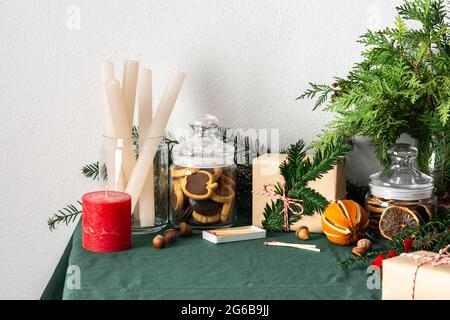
{"points": [[400, 196], [203, 178]]}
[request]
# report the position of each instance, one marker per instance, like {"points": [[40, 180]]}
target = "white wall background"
{"points": [[246, 62]]}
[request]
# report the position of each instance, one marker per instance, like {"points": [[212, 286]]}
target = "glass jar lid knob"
{"points": [[402, 181]]}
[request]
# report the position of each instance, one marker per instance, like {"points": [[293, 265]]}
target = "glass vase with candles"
{"points": [[118, 159], [203, 178]]}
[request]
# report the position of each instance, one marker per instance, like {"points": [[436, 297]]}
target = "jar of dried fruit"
{"points": [[203, 178], [400, 196]]}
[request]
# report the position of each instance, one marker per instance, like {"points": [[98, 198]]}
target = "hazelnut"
{"points": [[358, 252], [364, 243], [302, 233], [159, 242], [185, 229], [170, 235]]}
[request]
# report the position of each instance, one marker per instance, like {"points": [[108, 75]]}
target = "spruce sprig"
{"points": [[431, 236], [91, 170], [297, 171], [65, 215]]}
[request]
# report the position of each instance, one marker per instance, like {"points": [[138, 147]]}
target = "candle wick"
{"points": [[139, 58], [113, 53]]}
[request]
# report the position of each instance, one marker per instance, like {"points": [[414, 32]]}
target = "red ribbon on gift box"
{"points": [[443, 257], [287, 203]]}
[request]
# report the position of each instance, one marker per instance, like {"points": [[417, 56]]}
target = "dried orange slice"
{"points": [[395, 219]]}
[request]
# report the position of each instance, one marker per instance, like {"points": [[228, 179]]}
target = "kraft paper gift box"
{"points": [[266, 171], [431, 282]]}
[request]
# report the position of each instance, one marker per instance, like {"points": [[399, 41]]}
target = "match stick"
{"points": [[309, 247], [232, 232]]}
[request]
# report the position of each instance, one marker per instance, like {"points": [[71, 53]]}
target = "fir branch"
{"points": [[312, 201], [324, 160], [361, 262], [297, 171], [431, 236], [92, 171], [66, 215]]}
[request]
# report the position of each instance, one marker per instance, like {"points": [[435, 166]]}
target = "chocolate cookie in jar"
{"points": [[400, 196], [203, 177]]}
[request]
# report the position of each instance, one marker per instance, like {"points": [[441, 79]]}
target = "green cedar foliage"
{"points": [[401, 86]]}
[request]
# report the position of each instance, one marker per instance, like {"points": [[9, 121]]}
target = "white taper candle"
{"points": [[121, 126], [157, 128], [129, 84], [114, 183], [147, 197]]}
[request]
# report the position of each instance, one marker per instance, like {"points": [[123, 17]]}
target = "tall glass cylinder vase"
{"points": [[118, 159]]}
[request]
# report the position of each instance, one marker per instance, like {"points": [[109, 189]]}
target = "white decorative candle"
{"points": [[129, 84], [121, 124], [114, 183], [157, 128], [147, 197]]}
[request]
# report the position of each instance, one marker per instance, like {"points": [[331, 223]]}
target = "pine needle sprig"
{"points": [[65, 215], [297, 171], [431, 236], [93, 171]]}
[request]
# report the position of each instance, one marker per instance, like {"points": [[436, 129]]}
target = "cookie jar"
{"points": [[203, 178], [400, 196]]}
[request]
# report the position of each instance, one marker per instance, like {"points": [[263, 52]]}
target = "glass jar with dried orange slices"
{"points": [[400, 196]]}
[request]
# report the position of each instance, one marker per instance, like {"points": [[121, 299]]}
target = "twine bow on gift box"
{"points": [[287, 203], [442, 258]]}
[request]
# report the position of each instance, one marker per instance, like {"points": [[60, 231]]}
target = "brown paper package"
{"points": [[432, 282], [266, 171]]}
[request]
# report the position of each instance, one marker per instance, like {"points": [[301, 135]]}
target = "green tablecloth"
{"points": [[193, 268]]}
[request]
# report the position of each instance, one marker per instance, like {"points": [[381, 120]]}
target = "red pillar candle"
{"points": [[106, 221]]}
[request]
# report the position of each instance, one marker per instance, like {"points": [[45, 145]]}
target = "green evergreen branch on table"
{"points": [[297, 171], [65, 215], [431, 236], [401, 86]]}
